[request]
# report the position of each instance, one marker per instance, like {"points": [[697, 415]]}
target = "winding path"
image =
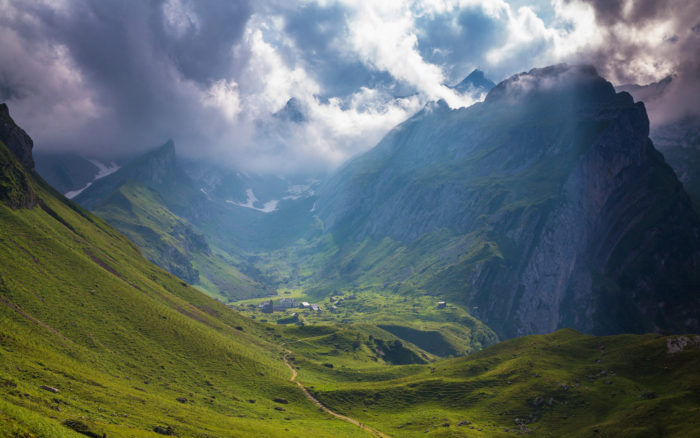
{"points": [[322, 406]]}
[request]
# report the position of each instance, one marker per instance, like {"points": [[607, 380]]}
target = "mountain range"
{"points": [[545, 206]]}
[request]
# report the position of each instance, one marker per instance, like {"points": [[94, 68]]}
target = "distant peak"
{"points": [[167, 146], [164, 151], [475, 80], [292, 111], [476, 75]]}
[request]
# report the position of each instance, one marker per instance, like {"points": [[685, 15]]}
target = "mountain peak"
{"points": [[475, 80], [580, 82], [166, 149], [292, 111], [158, 167], [15, 138]]}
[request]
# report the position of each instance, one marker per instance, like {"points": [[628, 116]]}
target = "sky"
{"points": [[277, 86]]}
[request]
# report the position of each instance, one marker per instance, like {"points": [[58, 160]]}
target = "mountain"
{"points": [[95, 340], [201, 222], [475, 81], [545, 206], [156, 204], [157, 169]]}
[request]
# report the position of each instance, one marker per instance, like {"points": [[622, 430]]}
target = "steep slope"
{"points": [[545, 206], [153, 201], [680, 143], [171, 242], [96, 340], [678, 138], [158, 204]]}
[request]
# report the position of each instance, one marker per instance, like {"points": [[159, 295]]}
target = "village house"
{"points": [[267, 307], [284, 304], [441, 304]]}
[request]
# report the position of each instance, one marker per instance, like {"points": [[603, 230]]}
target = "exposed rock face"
{"points": [[546, 206], [677, 138], [16, 163], [15, 138]]}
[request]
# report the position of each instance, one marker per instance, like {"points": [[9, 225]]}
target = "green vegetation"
{"points": [[93, 338], [563, 384], [413, 319], [171, 242]]}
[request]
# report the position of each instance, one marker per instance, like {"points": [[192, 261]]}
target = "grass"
{"points": [[412, 318], [563, 384], [172, 243], [121, 340]]}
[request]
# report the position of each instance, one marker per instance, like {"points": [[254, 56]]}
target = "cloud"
{"points": [[646, 41], [114, 78]]}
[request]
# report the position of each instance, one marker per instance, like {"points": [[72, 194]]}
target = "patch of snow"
{"points": [[299, 191], [205, 193], [102, 171], [268, 207], [73, 193]]}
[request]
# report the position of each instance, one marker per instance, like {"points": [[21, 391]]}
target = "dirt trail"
{"points": [[322, 406]]}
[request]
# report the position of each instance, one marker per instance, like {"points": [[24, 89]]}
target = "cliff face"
{"points": [[546, 206], [16, 163], [16, 140]]}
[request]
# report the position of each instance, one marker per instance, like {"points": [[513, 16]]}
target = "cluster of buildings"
{"points": [[286, 303]]}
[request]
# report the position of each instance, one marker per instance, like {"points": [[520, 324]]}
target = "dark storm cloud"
{"points": [[202, 51], [139, 67], [115, 77], [676, 55]]}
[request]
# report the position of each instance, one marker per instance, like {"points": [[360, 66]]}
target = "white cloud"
{"points": [[223, 95], [383, 36], [179, 18], [333, 130]]}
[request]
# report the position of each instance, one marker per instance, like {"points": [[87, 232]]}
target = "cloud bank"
{"points": [[278, 86]]}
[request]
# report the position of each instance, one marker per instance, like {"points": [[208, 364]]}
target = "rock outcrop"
{"points": [[16, 140], [16, 164]]}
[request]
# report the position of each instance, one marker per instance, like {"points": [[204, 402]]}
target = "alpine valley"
{"points": [[529, 264]]}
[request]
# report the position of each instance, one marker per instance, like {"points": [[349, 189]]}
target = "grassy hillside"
{"points": [[562, 384], [171, 242], [127, 348]]}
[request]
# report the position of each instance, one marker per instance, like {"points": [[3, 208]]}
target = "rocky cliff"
{"points": [[545, 206], [16, 140], [16, 163]]}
